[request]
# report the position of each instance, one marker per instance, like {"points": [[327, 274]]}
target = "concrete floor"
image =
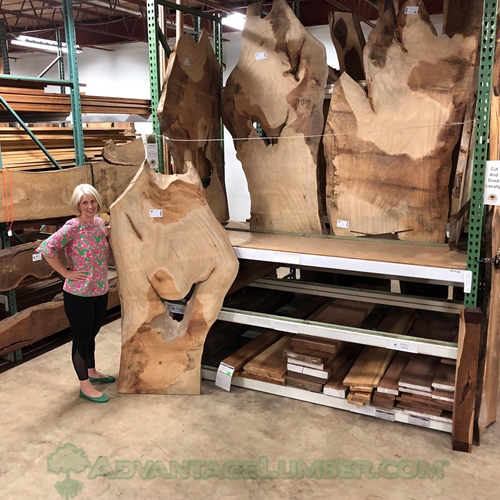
{"points": [[40, 412]]}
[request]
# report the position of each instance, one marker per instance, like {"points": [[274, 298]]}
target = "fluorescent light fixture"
{"points": [[40, 44], [235, 20]]}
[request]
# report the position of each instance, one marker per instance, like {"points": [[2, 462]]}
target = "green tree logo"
{"points": [[66, 459]]}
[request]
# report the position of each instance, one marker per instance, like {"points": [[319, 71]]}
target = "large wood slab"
{"points": [[388, 170], [466, 379], [189, 113], [112, 180], [278, 83], [38, 322], [16, 263], [164, 255], [41, 195]]}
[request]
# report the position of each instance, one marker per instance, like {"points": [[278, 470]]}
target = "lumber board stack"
{"points": [[20, 152], [32, 100]]}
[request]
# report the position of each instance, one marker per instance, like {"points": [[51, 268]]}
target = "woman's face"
{"points": [[88, 207]]}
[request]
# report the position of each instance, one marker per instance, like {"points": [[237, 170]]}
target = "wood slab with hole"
{"points": [[389, 150], [189, 114], [279, 83], [166, 242]]}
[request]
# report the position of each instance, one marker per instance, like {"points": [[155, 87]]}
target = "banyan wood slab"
{"points": [[167, 243], [189, 113], [278, 83], [389, 150]]}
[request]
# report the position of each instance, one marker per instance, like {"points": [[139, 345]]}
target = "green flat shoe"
{"points": [[103, 380], [101, 399]]}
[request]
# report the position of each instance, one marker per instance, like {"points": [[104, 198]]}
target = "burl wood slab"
{"points": [[161, 256], [389, 162], [189, 110], [278, 83]]}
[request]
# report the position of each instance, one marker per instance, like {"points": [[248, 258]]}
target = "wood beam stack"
{"points": [[35, 101], [20, 152]]}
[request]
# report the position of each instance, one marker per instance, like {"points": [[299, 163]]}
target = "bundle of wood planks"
{"points": [[36, 100], [20, 152], [363, 375]]}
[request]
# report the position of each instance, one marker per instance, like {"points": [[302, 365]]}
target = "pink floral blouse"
{"points": [[86, 248]]}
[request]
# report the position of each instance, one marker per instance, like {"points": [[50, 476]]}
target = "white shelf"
{"points": [[444, 276], [360, 295], [412, 418], [335, 332]]}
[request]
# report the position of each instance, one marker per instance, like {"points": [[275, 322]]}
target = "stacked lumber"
{"points": [[19, 151], [33, 100], [371, 365], [313, 363], [262, 358]]}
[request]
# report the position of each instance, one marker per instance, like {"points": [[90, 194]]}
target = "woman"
{"points": [[86, 246]]}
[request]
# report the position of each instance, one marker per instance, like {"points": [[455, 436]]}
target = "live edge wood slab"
{"points": [[278, 83], [166, 243]]}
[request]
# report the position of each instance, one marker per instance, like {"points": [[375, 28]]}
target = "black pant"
{"points": [[85, 315]]}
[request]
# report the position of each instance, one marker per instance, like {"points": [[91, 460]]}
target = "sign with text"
{"points": [[492, 183]]}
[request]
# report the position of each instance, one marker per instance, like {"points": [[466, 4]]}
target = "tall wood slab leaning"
{"points": [[278, 83], [389, 162], [189, 113], [167, 242]]}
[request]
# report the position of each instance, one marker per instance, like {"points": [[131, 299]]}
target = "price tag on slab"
{"points": [[401, 345], [259, 56], [36, 257], [420, 421], [410, 9], [343, 223], [492, 183], [224, 376], [154, 213], [385, 415], [186, 61]]}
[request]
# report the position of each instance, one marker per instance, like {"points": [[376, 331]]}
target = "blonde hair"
{"points": [[78, 193]]}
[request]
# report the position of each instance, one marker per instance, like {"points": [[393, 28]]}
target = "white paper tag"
{"points": [[343, 223], [401, 345], [492, 183], [259, 56], [224, 376], [420, 421], [36, 257], [156, 213], [385, 415], [410, 9], [186, 61]]}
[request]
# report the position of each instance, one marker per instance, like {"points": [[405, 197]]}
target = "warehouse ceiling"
{"points": [[99, 22]]}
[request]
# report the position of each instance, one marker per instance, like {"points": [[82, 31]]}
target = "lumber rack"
{"points": [[391, 259], [394, 415]]}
